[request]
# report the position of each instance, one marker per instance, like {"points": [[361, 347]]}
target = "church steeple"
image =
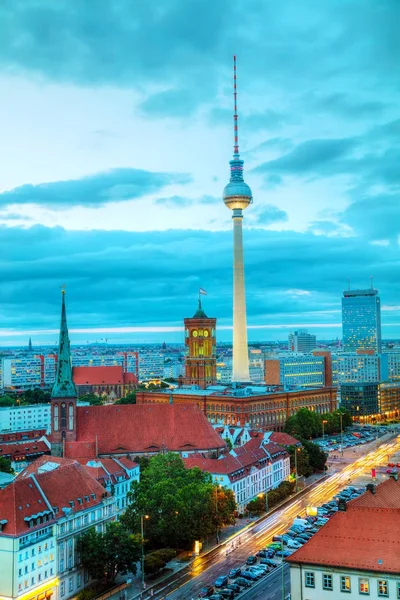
{"points": [[64, 386]]}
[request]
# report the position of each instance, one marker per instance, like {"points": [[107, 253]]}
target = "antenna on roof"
{"points": [[348, 283], [235, 114], [372, 282]]}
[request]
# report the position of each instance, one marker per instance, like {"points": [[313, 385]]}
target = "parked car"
{"points": [[277, 538], [268, 562], [251, 560], [205, 591], [234, 573], [250, 575], [227, 593], [221, 581], [235, 587], [294, 544], [243, 582], [283, 553], [215, 597], [260, 567]]}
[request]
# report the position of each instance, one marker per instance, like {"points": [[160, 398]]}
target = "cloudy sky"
{"points": [[116, 131]]}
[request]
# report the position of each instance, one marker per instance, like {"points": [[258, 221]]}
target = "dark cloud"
{"points": [[119, 279], [347, 107], [115, 185], [270, 214], [309, 157], [375, 217]]}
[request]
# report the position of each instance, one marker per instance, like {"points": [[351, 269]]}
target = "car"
{"points": [[250, 575], [234, 573], [227, 593], [259, 567], [215, 597], [262, 554], [235, 587], [391, 471], [243, 582], [221, 581], [206, 591], [268, 562], [283, 553], [391, 465], [251, 560], [275, 545], [277, 538], [294, 544], [271, 553]]}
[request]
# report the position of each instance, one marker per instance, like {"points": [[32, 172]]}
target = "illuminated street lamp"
{"points": [[323, 428], [216, 510], [295, 465], [142, 517]]}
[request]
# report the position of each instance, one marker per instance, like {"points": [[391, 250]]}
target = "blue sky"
{"points": [[116, 127]]}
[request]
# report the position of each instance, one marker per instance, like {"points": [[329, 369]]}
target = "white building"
{"points": [[256, 467], [151, 365], [41, 517], [25, 418], [295, 370], [356, 554], [301, 341]]}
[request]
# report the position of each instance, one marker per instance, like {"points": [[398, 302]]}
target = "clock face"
{"points": [[206, 333], [194, 333]]}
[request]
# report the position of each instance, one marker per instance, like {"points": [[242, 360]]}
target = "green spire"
{"points": [[63, 386]]}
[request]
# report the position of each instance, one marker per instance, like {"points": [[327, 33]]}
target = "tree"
{"points": [[157, 560], [107, 554], [36, 396], [303, 461], [5, 465], [305, 424], [316, 456], [7, 401], [93, 399], [130, 398], [182, 504], [229, 443]]}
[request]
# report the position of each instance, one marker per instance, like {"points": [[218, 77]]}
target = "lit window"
{"points": [[309, 579], [327, 582], [345, 585], [363, 585], [383, 589]]}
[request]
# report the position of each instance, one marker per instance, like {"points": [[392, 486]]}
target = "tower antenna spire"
{"points": [[235, 114]]}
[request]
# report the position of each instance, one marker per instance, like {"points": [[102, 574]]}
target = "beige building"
{"points": [[356, 554]]}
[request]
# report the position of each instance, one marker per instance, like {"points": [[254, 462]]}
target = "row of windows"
{"points": [[362, 584], [34, 580], [39, 564]]}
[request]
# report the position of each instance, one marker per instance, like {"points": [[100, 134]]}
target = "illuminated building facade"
{"points": [[294, 371], [301, 341], [200, 349], [361, 320]]}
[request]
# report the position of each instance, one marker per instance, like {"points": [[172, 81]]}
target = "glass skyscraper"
{"points": [[361, 320]]}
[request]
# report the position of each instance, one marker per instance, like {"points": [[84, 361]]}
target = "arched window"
{"points": [[63, 416], [55, 413], [232, 408], [71, 416]]}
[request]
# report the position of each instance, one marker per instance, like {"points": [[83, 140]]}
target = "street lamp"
{"points": [[142, 517], [216, 510], [296, 450], [341, 432], [323, 428]]}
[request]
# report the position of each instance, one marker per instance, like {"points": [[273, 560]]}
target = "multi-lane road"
{"points": [[204, 570]]}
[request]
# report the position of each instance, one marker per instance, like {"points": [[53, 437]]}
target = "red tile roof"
{"points": [[356, 539], [127, 462], [387, 495], [21, 451], [113, 375], [143, 428], [78, 450], [47, 482], [283, 439], [24, 436]]}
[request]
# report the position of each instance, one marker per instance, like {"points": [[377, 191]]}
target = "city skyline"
{"points": [[114, 158]]}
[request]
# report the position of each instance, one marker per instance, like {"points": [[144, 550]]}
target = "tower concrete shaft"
{"points": [[240, 370]]}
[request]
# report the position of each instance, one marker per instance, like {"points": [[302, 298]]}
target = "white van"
{"points": [[302, 523]]}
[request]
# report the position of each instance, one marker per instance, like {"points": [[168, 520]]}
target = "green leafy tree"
{"points": [[303, 461], [7, 401], [316, 456], [305, 423], [182, 504], [36, 396], [5, 465], [157, 560], [130, 398], [93, 399], [112, 552]]}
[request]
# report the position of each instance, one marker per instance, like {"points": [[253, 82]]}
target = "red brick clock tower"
{"points": [[201, 350]]}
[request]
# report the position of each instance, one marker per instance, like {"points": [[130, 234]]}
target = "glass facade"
{"points": [[361, 320], [360, 399]]}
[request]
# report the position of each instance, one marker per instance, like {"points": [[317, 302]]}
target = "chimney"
{"points": [[371, 488], [394, 476]]}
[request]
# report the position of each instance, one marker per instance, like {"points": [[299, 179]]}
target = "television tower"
{"points": [[237, 196]]}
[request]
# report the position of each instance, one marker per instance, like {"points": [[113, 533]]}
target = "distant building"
{"points": [[109, 383], [338, 561], [301, 341], [200, 349], [21, 454], [361, 320], [366, 401], [293, 371], [26, 417]]}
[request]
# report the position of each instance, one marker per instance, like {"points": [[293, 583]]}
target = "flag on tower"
{"points": [[202, 292]]}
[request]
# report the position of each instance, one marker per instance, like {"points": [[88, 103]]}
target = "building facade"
{"points": [[301, 341], [361, 320], [292, 371], [200, 349], [259, 407], [376, 401], [24, 418]]}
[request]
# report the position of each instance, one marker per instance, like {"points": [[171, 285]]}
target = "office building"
{"points": [[293, 371], [25, 418], [361, 320], [237, 196], [301, 341]]}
